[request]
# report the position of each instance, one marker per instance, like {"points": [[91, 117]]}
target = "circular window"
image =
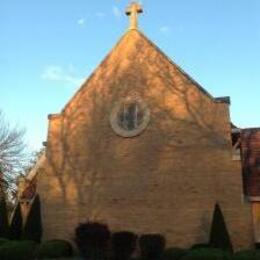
{"points": [[130, 117]]}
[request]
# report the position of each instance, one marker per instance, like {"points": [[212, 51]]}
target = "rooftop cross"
{"points": [[133, 10]]}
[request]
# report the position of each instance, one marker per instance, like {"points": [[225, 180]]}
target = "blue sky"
{"points": [[48, 47]]}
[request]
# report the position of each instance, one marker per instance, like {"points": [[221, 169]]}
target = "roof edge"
{"points": [[205, 92]]}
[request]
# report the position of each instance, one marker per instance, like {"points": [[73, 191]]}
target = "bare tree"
{"points": [[13, 155]]}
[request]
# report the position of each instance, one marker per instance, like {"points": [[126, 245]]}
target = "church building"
{"points": [[143, 147]]}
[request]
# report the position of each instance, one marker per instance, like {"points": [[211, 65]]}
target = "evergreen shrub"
{"points": [[18, 250], [197, 246], [207, 254], [4, 226], [152, 246], [16, 224], [174, 253], [3, 241], [33, 226], [219, 237], [92, 240], [123, 245], [54, 249], [247, 254]]}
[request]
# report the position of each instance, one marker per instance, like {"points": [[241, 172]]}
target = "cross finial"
{"points": [[133, 10]]}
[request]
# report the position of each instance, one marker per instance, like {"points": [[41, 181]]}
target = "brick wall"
{"points": [[165, 180]]}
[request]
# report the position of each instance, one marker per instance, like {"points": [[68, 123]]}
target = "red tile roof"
{"points": [[250, 144]]}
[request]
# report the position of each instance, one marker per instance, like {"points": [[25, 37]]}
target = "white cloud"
{"points": [[57, 73], [116, 11], [81, 21], [165, 29]]}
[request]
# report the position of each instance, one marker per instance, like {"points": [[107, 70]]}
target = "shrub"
{"points": [[55, 249], [33, 226], [3, 241], [92, 240], [257, 245], [219, 237], [207, 254], [16, 224], [197, 246], [247, 254], [18, 250], [152, 246], [123, 245], [174, 253], [4, 226]]}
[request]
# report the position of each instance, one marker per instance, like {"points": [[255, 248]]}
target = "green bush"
{"points": [[175, 253], [247, 255], [92, 240], [17, 223], [33, 226], [55, 249], [123, 245], [152, 246], [3, 241], [18, 250], [4, 226], [207, 254], [219, 237]]}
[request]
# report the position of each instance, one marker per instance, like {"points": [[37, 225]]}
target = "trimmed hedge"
{"points": [[3, 241], [207, 254], [123, 245], [247, 254], [152, 246], [92, 240], [55, 249], [174, 253], [18, 250]]}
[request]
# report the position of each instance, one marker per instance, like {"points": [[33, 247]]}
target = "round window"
{"points": [[130, 117]]}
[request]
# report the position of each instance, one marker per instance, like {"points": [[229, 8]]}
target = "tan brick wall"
{"points": [[165, 180]]}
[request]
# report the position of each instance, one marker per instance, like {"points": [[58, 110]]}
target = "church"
{"points": [[141, 146]]}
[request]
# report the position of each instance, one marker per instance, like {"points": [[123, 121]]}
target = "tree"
{"points": [[219, 237], [13, 155]]}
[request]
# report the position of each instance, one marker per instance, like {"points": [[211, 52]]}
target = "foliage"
{"points": [[18, 250], [219, 237], [174, 253], [16, 224], [123, 245], [55, 249], [247, 254], [151, 246], [92, 240], [3, 241], [207, 254], [33, 226], [4, 226], [197, 246]]}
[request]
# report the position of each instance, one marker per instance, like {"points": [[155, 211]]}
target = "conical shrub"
{"points": [[4, 226], [16, 224], [33, 227], [219, 237]]}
